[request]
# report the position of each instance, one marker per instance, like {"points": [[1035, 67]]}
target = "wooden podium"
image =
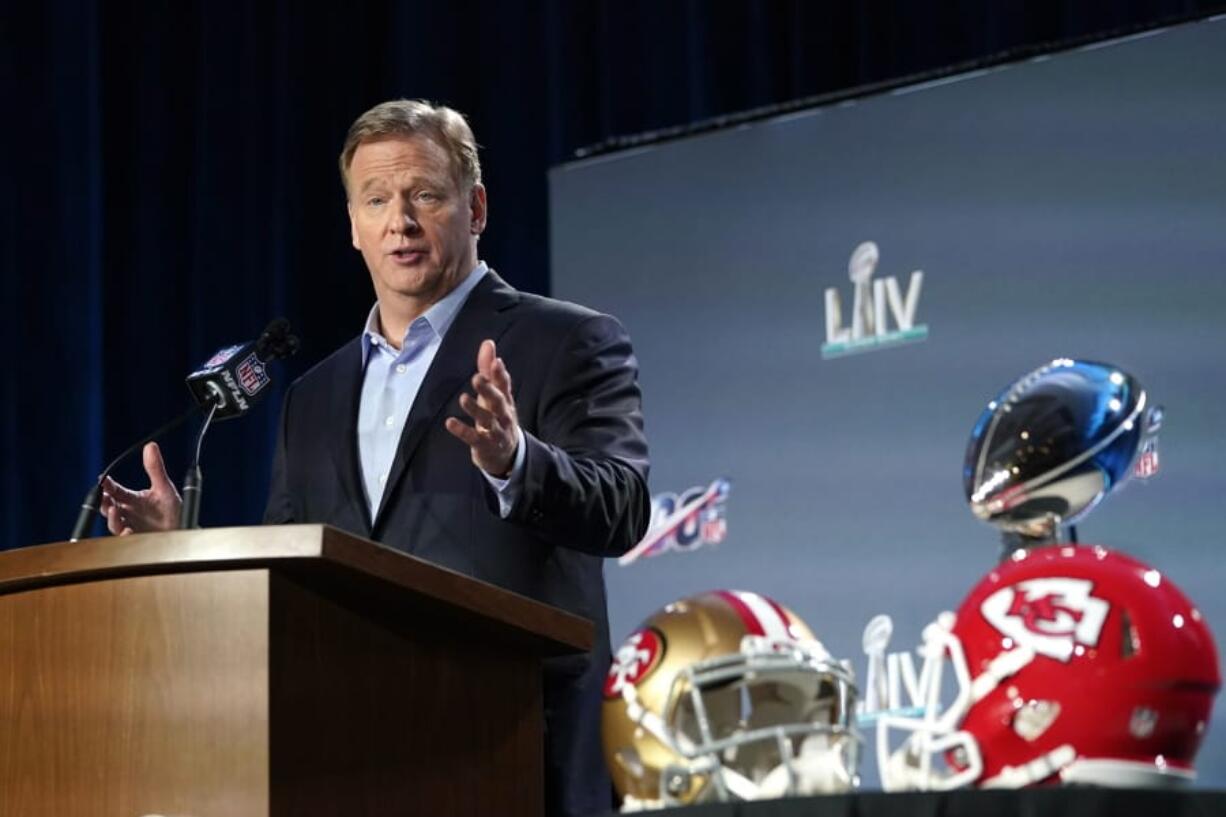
{"points": [[291, 670]]}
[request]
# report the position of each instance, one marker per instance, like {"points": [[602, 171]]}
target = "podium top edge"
{"points": [[318, 548]]}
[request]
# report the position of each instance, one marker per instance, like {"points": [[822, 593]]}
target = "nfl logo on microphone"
{"points": [[252, 375]]}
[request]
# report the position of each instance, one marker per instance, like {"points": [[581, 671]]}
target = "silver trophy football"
{"points": [[1053, 444]]}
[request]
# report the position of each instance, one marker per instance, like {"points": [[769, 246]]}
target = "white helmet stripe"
{"points": [[773, 625]]}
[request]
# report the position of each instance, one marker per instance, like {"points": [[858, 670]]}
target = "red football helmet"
{"points": [[1072, 664]]}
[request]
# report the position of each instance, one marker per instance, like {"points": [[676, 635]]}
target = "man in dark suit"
{"points": [[414, 435]]}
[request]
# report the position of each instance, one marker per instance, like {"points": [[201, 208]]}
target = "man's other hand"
{"points": [[494, 436], [153, 509]]}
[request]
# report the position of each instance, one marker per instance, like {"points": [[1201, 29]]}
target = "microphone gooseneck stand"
{"points": [[189, 514], [93, 499]]}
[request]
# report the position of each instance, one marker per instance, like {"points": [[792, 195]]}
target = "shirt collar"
{"points": [[438, 317]]}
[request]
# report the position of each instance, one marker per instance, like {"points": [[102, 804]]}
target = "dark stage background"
{"points": [[170, 181]]}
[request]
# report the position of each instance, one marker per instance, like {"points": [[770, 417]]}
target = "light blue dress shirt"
{"points": [[391, 381]]}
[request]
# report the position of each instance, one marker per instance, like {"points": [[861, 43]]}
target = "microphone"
{"points": [[93, 499], [189, 512], [226, 386], [235, 377]]}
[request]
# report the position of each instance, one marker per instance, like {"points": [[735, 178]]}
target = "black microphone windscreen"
{"points": [[276, 342]]}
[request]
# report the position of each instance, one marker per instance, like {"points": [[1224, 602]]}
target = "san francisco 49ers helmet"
{"points": [[1071, 664], [726, 695]]}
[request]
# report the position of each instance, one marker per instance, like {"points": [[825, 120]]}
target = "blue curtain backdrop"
{"points": [[170, 177]]}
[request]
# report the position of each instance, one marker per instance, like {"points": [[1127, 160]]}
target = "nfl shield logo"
{"points": [[251, 375], [1147, 462]]}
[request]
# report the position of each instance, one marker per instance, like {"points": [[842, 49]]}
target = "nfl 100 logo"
{"points": [[684, 522]]}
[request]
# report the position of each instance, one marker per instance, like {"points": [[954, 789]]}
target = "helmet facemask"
{"points": [[937, 754]]}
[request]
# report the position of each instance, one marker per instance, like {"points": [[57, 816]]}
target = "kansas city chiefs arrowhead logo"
{"points": [[1051, 616], [635, 658]]}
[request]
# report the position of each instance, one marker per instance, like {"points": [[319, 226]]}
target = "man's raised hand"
{"points": [[154, 509], [494, 436]]}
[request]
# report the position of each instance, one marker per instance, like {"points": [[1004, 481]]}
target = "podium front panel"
{"points": [[141, 695]]}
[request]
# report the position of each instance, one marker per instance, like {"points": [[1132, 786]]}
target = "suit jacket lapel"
{"points": [[345, 398], [486, 314]]}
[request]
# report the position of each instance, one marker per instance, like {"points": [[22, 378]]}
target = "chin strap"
{"points": [[1041, 768], [738, 785], [818, 769]]}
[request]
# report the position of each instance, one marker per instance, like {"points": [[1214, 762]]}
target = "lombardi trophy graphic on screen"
{"points": [[860, 268], [1053, 444]]}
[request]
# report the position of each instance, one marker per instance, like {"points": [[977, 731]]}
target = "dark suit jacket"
{"points": [[584, 493]]}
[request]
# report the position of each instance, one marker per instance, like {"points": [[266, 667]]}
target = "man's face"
{"points": [[412, 222]]}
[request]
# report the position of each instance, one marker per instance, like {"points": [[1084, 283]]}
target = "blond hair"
{"points": [[410, 117]]}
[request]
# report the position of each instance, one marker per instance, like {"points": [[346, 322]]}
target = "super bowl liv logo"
{"points": [[873, 303]]}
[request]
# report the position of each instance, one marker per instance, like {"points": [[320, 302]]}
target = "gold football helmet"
{"points": [[727, 695]]}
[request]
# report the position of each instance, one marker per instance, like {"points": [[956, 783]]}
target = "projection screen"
{"points": [[1072, 205]]}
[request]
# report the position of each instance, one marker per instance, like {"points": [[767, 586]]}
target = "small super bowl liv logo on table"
{"points": [[873, 303]]}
